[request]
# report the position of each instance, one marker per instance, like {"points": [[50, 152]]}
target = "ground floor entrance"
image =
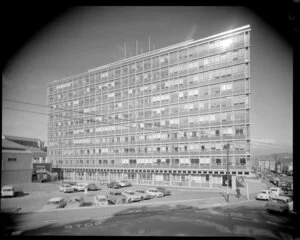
{"points": [[188, 180]]}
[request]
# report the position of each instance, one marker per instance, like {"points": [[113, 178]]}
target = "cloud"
{"points": [[263, 140]]}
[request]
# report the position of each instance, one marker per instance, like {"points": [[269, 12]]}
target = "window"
{"points": [[183, 55], [12, 159]]}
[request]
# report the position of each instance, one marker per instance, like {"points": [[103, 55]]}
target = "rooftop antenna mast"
{"points": [[125, 49]]}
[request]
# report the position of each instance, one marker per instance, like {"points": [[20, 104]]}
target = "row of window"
{"points": [[159, 61], [144, 79], [162, 148], [118, 100], [219, 160], [166, 124], [175, 134], [193, 108]]}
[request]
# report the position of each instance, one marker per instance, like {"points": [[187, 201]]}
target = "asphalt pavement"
{"points": [[248, 219]]}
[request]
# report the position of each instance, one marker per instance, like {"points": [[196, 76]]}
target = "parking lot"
{"points": [[35, 195]]}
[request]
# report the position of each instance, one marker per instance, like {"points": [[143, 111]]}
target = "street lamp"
{"points": [[227, 146]]}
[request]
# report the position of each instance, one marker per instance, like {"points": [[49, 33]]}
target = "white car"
{"points": [[263, 195], [276, 192], [66, 188], [131, 196], [124, 184], [80, 186], [56, 202], [75, 202], [101, 200], [280, 204], [154, 192], [7, 191]]}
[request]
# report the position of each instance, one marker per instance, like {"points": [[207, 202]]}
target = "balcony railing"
{"points": [[157, 166]]}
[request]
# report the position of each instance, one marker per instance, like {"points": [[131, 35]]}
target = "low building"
{"points": [[16, 165], [25, 141], [34, 145], [42, 171]]}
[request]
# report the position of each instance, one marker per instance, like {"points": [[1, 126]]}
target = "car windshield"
{"points": [[281, 201], [7, 190], [263, 192], [131, 193], [102, 199], [117, 193], [53, 202], [140, 191], [273, 190]]}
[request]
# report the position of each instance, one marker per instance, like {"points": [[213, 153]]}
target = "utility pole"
{"points": [[227, 173]]}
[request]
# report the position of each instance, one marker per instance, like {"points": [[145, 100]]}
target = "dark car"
{"points": [[111, 184], [93, 187], [164, 191], [116, 186]]}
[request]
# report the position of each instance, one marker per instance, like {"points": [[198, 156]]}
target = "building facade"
{"points": [[16, 163], [164, 117], [34, 145]]}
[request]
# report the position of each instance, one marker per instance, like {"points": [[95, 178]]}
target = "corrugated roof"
{"points": [[15, 151], [6, 144], [35, 150], [22, 138]]}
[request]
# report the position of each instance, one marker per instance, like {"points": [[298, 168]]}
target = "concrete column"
{"points": [[122, 177], [200, 180], [108, 176], [137, 177], [96, 176], [84, 176], [190, 180], [233, 182], [171, 178], [210, 180], [153, 180]]}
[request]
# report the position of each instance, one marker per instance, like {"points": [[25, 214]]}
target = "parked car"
{"points": [[8, 191], [280, 204], [101, 200], [263, 195], [143, 194], [54, 203], [164, 191], [276, 180], [74, 202], [275, 192], [281, 184], [154, 192], [116, 198], [93, 187], [66, 188], [116, 186], [124, 183], [111, 184], [131, 196], [80, 187]]}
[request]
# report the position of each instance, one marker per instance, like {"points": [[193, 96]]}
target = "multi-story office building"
{"points": [[163, 117]]}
